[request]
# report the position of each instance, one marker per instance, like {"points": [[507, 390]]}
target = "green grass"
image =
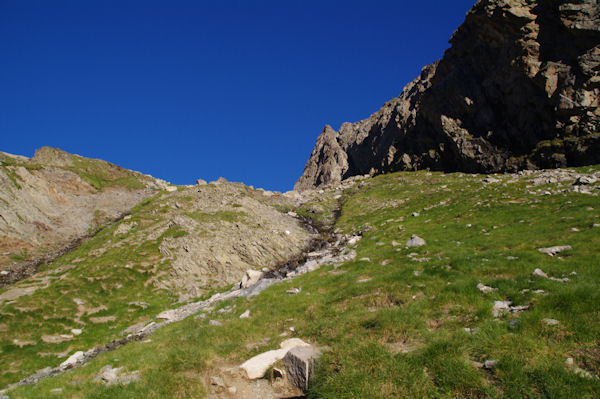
{"points": [[219, 216], [421, 306], [100, 174]]}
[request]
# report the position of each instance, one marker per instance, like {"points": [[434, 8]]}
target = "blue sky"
{"points": [[201, 89]]}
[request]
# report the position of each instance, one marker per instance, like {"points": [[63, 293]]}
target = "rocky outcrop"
{"points": [[518, 89], [50, 201]]}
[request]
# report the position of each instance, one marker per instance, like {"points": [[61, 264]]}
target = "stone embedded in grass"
{"points": [[395, 243], [415, 241], [540, 273], [385, 262], [489, 364], [550, 322], [294, 291], [257, 366], [500, 308], [552, 251], [76, 331], [215, 323], [245, 315], [486, 289], [415, 214]]}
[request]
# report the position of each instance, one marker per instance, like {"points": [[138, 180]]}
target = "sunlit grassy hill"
{"points": [[400, 321]]}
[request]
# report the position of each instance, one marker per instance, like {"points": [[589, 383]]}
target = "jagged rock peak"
{"points": [[518, 89]]}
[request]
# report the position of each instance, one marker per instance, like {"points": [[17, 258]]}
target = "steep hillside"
{"points": [[54, 198], [462, 286], [518, 89], [173, 247]]}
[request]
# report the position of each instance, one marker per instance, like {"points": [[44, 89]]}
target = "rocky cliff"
{"points": [[519, 88]]}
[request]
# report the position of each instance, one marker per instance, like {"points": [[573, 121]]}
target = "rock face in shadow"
{"points": [[518, 89]]}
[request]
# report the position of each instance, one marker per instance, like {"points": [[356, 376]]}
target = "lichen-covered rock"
{"points": [[518, 89]]}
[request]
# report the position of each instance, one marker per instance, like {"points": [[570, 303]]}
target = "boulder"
{"points": [[73, 360], [257, 366], [299, 363], [250, 278], [415, 241]]}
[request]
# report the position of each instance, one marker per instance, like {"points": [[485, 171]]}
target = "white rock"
{"points": [[551, 322], [486, 289], [353, 240], [76, 331], [539, 273], [500, 307], [72, 360], [215, 323], [257, 366], [415, 241], [245, 315], [171, 188], [250, 278], [554, 250]]}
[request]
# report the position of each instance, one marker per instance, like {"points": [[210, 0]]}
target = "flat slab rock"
{"points": [[257, 366]]}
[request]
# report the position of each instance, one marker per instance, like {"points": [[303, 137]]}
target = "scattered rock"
{"points": [[215, 323], [489, 364], [415, 241], [539, 273], [124, 228], [554, 250], [485, 289], [551, 322], [500, 308], [294, 291], [385, 262], [245, 315], [200, 182]]}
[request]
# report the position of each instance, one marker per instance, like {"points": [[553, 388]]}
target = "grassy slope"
{"points": [[423, 312]]}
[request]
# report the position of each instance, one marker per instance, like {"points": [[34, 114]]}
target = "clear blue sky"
{"points": [[201, 89]]}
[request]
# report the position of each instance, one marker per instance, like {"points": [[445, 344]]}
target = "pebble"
{"points": [[551, 322], [489, 364]]}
